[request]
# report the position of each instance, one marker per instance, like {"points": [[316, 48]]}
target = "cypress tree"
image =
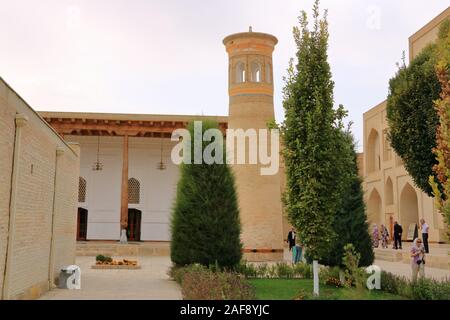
{"points": [[205, 219], [350, 222]]}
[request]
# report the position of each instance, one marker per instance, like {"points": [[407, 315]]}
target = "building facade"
{"points": [[390, 192], [38, 187], [135, 188]]}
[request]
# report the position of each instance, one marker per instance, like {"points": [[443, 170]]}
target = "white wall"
{"points": [[104, 187]]}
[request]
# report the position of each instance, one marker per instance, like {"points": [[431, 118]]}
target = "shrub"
{"points": [[284, 270], [103, 258], [429, 289], [329, 275], [248, 270], [332, 281], [303, 270], [207, 285], [261, 270], [177, 273], [395, 284], [206, 206], [272, 271], [354, 275]]}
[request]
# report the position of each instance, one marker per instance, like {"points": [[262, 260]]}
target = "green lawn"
{"points": [[288, 289]]}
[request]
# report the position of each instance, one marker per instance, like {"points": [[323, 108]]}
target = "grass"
{"points": [[288, 289]]}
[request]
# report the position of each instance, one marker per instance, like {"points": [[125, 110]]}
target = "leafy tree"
{"points": [[205, 220], [308, 133], [411, 115], [442, 150]]}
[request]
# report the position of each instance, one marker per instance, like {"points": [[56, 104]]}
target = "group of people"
{"points": [[383, 235], [417, 252], [418, 249], [294, 246]]}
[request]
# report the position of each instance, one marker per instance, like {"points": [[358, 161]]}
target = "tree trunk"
{"points": [[342, 276], [316, 277]]}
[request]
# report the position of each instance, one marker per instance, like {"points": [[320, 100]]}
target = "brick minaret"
{"points": [[251, 106]]}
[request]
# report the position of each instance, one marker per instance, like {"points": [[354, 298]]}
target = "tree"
{"points": [[312, 190], [411, 116], [442, 149], [350, 222], [205, 219]]}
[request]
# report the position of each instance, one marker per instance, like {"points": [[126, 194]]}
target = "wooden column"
{"points": [[124, 194]]}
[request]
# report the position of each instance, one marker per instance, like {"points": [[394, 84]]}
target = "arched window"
{"points": [[268, 73], [389, 192], [240, 72], [81, 190], [256, 72], [373, 152], [134, 191]]}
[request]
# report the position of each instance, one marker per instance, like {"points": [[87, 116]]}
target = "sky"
{"points": [[167, 57]]}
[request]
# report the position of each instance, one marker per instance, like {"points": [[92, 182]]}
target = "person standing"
{"points": [[424, 227], [398, 230], [375, 236], [417, 259], [384, 236], [298, 251], [291, 239]]}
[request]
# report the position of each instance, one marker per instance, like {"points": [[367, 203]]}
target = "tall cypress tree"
{"points": [[350, 222], [312, 193], [205, 219]]}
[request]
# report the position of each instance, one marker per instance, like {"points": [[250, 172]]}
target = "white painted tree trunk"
{"points": [[341, 276], [316, 277]]}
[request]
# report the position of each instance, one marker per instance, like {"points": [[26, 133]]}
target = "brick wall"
{"points": [[65, 225], [6, 157], [37, 199]]}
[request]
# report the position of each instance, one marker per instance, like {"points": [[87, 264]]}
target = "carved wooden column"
{"points": [[124, 194]]}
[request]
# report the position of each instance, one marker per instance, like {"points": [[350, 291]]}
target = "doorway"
{"points": [[134, 225], [82, 224]]}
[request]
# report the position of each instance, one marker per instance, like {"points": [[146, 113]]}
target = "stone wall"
{"points": [[30, 167]]}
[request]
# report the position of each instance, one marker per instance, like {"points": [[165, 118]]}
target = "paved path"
{"points": [[151, 282], [398, 268], [404, 269]]}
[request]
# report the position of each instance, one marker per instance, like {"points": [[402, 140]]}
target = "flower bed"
{"points": [[106, 262]]}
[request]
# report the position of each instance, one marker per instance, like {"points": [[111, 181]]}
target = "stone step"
{"points": [[440, 261], [117, 249]]}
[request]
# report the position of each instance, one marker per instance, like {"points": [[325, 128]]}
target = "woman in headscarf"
{"points": [[375, 236], [384, 236], [417, 259]]}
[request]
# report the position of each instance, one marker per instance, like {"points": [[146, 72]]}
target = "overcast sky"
{"points": [[148, 56]]}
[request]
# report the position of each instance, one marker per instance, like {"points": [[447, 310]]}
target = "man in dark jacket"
{"points": [[291, 239], [397, 236]]}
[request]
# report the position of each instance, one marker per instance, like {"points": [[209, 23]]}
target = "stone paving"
{"points": [[151, 282], [398, 268], [404, 269]]}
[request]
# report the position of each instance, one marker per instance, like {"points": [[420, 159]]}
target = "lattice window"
{"points": [[134, 191], [82, 190]]}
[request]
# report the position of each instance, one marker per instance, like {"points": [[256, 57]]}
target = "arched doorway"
{"points": [[134, 225], [374, 207], [82, 222], [409, 208]]}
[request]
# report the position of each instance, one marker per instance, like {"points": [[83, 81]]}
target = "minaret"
{"points": [[250, 82]]}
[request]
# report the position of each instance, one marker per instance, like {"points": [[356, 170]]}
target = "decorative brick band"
{"points": [[262, 250]]}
